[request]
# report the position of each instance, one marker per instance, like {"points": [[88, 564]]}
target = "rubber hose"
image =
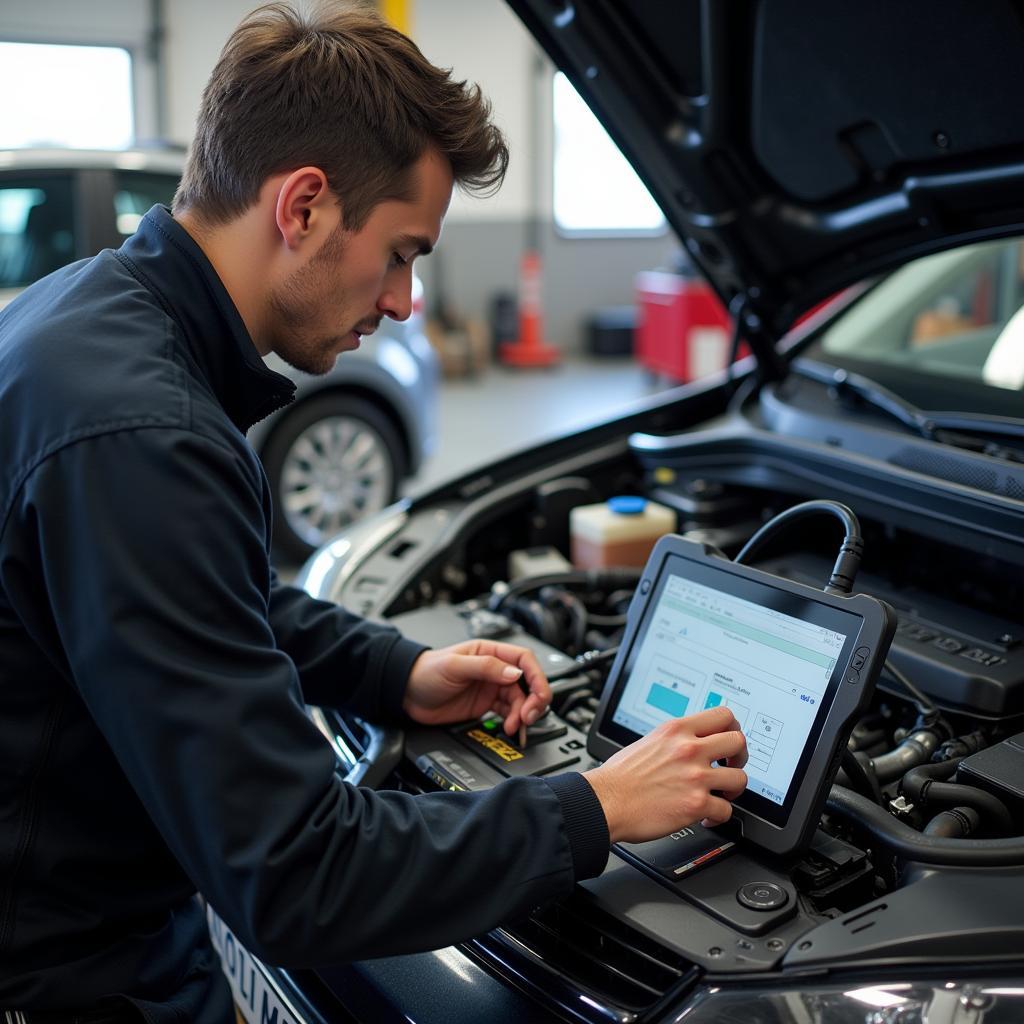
{"points": [[915, 749], [913, 782], [988, 805], [866, 738], [862, 778], [956, 823], [595, 579], [921, 785], [912, 845]]}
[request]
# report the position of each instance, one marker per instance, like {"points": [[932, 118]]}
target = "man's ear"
{"points": [[306, 210]]}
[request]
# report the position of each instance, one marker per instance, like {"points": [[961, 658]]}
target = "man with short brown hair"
{"points": [[153, 672]]}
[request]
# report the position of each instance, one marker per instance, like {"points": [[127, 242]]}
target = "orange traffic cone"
{"points": [[529, 349]]}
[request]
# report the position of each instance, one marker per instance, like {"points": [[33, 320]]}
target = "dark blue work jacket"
{"points": [[153, 674]]}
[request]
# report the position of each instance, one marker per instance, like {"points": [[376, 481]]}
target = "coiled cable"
{"points": [[844, 572]]}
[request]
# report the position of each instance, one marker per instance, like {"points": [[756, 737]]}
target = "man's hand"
{"points": [[465, 680], [667, 779]]}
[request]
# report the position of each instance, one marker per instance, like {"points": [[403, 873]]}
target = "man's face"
{"points": [[355, 279]]}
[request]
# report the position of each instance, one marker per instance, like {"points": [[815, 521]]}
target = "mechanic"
{"points": [[153, 671]]}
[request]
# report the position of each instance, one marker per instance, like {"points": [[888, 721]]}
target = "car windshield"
{"points": [[945, 331]]}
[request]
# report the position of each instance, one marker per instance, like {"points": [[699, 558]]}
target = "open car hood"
{"points": [[797, 149]]}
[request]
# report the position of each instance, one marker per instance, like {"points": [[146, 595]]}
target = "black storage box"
{"points": [[610, 331]]}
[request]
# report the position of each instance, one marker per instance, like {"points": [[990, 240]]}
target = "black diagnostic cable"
{"points": [[844, 572], [929, 712], [843, 575], [584, 663]]}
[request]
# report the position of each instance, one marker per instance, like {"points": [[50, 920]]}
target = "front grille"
{"points": [[592, 966]]}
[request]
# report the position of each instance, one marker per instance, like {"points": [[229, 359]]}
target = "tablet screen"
{"points": [[767, 654]]}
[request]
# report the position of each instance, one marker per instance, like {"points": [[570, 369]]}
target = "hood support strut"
{"points": [[749, 326]]}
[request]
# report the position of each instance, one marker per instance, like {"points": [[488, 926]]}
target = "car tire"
{"points": [[331, 461]]}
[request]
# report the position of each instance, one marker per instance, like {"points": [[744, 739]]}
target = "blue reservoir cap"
{"points": [[627, 505]]}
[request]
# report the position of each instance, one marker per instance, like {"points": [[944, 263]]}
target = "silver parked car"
{"points": [[342, 449]]}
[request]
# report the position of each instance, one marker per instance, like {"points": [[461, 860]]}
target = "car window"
{"points": [[37, 228], [952, 313], [135, 192]]}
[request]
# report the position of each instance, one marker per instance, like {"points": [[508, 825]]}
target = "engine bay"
{"points": [[916, 857]]}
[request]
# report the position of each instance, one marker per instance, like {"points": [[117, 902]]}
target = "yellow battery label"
{"points": [[504, 750]]}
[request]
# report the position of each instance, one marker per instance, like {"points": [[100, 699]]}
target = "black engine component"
{"points": [[998, 770], [834, 875], [972, 662], [554, 500]]}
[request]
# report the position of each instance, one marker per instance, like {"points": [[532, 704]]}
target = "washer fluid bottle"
{"points": [[620, 531]]}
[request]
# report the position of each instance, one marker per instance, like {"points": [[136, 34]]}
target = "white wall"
{"points": [[196, 32], [480, 39], [484, 42]]}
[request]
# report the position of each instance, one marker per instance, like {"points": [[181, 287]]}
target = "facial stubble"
{"points": [[298, 306]]}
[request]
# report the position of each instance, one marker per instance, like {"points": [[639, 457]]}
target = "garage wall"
{"points": [[483, 42], [195, 32]]}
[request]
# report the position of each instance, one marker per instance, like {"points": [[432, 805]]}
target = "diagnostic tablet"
{"points": [[795, 665]]}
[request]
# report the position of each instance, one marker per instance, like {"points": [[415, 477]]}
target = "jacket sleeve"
{"points": [[158, 584], [319, 636]]}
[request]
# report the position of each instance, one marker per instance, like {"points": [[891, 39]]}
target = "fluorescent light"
{"points": [[876, 997]]}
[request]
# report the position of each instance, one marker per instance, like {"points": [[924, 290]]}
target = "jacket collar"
{"points": [[176, 270]]}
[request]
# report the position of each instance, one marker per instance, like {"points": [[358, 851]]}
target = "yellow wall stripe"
{"points": [[399, 13]]}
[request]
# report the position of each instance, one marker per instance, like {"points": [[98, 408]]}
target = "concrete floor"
{"points": [[504, 410]]}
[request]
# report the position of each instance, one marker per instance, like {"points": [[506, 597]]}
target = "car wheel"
{"points": [[331, 461]]}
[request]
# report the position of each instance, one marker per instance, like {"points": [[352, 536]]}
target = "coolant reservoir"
{"points": [[620, 531]]}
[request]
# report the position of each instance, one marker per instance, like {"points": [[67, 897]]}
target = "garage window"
{"points": [[596, 190], [80, 96]]}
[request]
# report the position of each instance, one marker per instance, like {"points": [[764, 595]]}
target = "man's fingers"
{"points": [[711, 721], [731, 745], [483, 668], [524, 658], [719, 812], [730, 782]]}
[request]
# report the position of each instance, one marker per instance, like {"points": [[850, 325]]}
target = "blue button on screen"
{"points": [[664, 699]]}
